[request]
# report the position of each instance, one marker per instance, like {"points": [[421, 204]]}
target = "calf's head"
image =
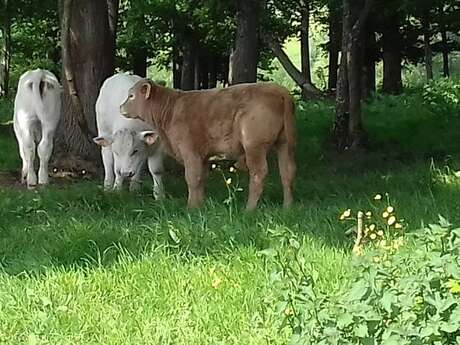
{"points": [[130, 149], [135, 106]]}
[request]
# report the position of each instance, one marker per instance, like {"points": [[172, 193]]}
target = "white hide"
{"points": [[37, 110], [124, 141]]}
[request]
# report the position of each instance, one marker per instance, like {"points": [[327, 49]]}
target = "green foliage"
{"points": [[405, 296], [442, 96]]}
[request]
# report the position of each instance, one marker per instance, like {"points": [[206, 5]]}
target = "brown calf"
{"points": [[242, 122]]}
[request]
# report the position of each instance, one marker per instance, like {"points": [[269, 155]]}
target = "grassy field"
{"points": [[80, 266]]}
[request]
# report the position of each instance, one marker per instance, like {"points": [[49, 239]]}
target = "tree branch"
{"points": [[290, 68]]}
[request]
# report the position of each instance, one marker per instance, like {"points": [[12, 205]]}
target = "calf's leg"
{"points": [[28, 146], [287, 168], [107, 160], [155, 164], [256, 161], [45, 148], [194, 176], [135, 183]]}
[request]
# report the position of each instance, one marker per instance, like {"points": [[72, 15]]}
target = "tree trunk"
{"points": [[197, 72], [347, 131], [188, 65], [5, 49], [445, 52], [139, 61], [307, 88], [334, 48], [204, 72], [212, 72], [392, 45], [245, 55], [177, 69], [88, 54], [427, 46], [368, 67], [304, 40]]}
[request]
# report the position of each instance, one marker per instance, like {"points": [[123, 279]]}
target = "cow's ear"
{"points": [[103, 141], [149, 137], [146, 89]]}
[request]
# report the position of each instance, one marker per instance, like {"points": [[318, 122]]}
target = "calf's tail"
{"points": [[289, 121]]}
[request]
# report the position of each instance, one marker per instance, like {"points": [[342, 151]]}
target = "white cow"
{"points": [[126, 143], [37, 110]]}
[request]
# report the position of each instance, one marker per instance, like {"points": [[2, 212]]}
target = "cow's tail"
{"points": [[289, 121], [40, 86]]}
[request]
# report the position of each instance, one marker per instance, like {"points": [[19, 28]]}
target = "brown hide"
{"points": [[241, 122]]}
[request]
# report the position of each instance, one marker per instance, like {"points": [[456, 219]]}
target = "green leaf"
{"points": [[388, 299], [450, 327], [358, 291], [361, 331], [344, 320]]}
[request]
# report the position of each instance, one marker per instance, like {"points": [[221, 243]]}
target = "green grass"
{"points": [[80, 266]]}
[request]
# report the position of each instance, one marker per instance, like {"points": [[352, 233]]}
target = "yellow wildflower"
{"points": [[213, 166], [368, 214], [380, 233], [453, 285], [288, 312], [376, 259], [418, 300], [398, 226], [373, 236], [390, 209], [372, 227], [228, 181], [347, 213], [215, 284], [385, 214], [232, 169], [378, 197], [391, 220]]}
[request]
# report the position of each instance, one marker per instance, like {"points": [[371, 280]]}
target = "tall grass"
{"points": [[81, 266]]}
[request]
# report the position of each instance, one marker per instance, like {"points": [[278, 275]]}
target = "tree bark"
{"points": [[88, 54], [304, 40], [307, 88], [212, 73], [445, 52], [347, 131], [188, 65], [5, 49], [392, 45], [334, 49], [139, 61], [177, 69], [245, 56], [368, 67], [427, 48], [197, 72]]}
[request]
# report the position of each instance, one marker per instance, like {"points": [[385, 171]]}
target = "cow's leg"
{"points": [[194, 176], [241, 163], [23, 157], [28, 146], [107, 160], [118, 178], [287, 168], [155, 164], [135, 182], [256, 161], [45, 148]]}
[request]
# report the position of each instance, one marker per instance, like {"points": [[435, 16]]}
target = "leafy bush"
{"points": [[442, 96], [405, 294]]}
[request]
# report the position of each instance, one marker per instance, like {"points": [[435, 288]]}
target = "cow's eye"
{"points": [[134, 152], [131, 96]]}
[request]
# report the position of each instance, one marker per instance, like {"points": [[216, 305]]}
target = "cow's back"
{"points": [[112, 94]]}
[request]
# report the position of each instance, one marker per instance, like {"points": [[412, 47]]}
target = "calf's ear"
{"points": [[149, 137], [146, 89], [103, 141]]}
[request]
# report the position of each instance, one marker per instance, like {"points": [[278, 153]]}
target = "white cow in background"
{"points": [[126, 143], [37, 110]]}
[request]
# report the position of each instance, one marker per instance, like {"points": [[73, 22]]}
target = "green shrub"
{"points": [[442, 96], [397, 295]]}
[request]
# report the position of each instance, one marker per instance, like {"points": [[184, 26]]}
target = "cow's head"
{"points": [[135, 105], [130, 149]]}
